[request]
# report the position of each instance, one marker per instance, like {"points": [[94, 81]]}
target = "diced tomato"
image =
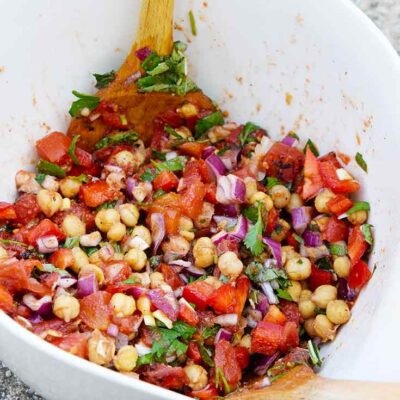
{"points": [[275, 316], [196, 170], [198, 293], [171, 277], [75, 343], [290, 338], [165, 376], [291, 240], [193, 149], [55, 324], [62, 258], [242, 356], [339, 204], [96, 193], [283, 162], [188, 314], [330, 157], [15, 277], [127, 325], [228, 244], [208, 393], [356, 245], [116, 271], [50, 279], [242, 292], [37, 288], [331, 180], [272, 220], [359, 275], [319, 277], [166, 181], [169, 206], [223, 299], [291, 311], [193, 352], [211, 193], [45, 227], [7, 211], [266, 338], [95, 310], [336, 230], [226, 360], [192, 199], [53, 147], [6, 300], [27, 208], [312, 178], [171, 118]]}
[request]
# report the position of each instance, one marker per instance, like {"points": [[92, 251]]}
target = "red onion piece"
{"points": [[269, 292], [301, 217], [312, 239], [130, 185], [35, 318], [42, 306], [216, 165], [136, 291], [229, 210], [112, 330], [157, 225], [219, 237], [142, 53], [87, 285], [263, 363], [208, 151], [314, 253], [165, 302], [194, 271], [181, 263], [223, 334], [230, 190], [262, 383], [121, 340], [47, 244], [226, 320], [262, 304], [230, 222], [66, 281], [344, 291], [230, 158], [240, 230], [253, 317], [289, 140], [275, 248], [184, 279]]}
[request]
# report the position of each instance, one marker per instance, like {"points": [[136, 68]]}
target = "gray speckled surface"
{"points": [[386, 14]]}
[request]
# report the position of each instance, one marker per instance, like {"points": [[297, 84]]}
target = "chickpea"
{"points": [[129, 214], [294, 290], [309, 327], [65, 204], [323, 295], [92, 269], [324, 328], [49, 202], [280, 196], [251, 187], [186, 228], [106, 218], [3, 253], [279, 235], [321, 201], [101, 349], [124, 305], [197, 375], [307, 309], [204, 252], [341, 266], [188, 110], [288, 252], [124, 159], [70, 187], [73, 226], [230, 265], [245, 341], [80, 259], [126, 358], [140, 238], [263, 198], [91, 239], [305, 294], [66, 307], [176, 245], [298, 268], [143, 304], [136, 259], [183, 132], [156, 279], [338, 312], [358, 217], [321, 222], [116, 232], [294, 202]]}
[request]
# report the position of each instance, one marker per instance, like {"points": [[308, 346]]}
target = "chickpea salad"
{"points": [[211, 259]]}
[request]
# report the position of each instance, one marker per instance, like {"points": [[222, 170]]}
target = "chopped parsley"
{"points": [[84, 101], [258, 273], [121, 137], [313, 350], [71, 242], [283, 294], [361, 162], [155, 261], [82, 178], [210, 332], [103, 80], [338, 249], [72, 149], [106, 205], [253, 240], [148, 175], [39, 178], [52, 268], [48, 168], [130, 281], [206, 123], [367, 232], [271, 182], [206, 354], [294, 135], [193, 27], [312, 147], [158, 154], [324, 263], [248, 129], [359, 206], [174, 164], [158, 194]]}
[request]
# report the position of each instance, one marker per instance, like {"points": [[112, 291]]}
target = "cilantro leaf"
{"points": [[184, 330], [367, 232], [253, 240], [84, 101], [144, 360], [148, 175], [258, 273], [158, 193], [209, 332], [248, 129], [103, 80], [174, 164], [72, 148], [106, 205], [337, 249], [71, 242], [283, 294], [324, 263], [39, 178], [294, 135], [121, 137], [251, 213], [48, 168], [312, 147], [359, 206], [90, 250], [271, 182], [206, 354], [158, 154], [361, 162], [206, 123], [52, 268]]}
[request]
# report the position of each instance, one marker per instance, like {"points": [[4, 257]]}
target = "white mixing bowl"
{"points": [[344, 78]]}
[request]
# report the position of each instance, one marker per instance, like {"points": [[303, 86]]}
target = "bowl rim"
{"points": [[40, 345]]}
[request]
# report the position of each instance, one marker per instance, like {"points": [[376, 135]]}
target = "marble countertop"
{"points": [[386, 15]]}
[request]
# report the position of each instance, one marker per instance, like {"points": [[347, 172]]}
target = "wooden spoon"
{"points": [[154, 31]]}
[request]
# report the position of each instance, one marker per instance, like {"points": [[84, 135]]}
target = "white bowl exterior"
{"points": [[343, 76]]}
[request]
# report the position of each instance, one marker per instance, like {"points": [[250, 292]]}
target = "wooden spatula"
{"points": [[154, 31]]}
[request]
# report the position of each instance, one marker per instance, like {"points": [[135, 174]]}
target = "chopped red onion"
{"points": [[130, 185], [106, 252], [112, 330], [42, 306], [344, 291], [269, 292], [230, 158], [223, 334], [262, 304], [312, 239], [66, 281], [253, 317], [157, 224], [181, 263], [194, 271], [138, 191], [142, 53], [262, 383], [275, 248], [142, 349], [230, 189], [301, 217], [240, 230], [136, 291], [314, 253], [178, 292], [263, 363], [121, 341], [35, 318], [230, 222], [184, 279], [226, 320], [87, 285], [229, 210], [216, 165], [289, 140], [208, 151], [130, 79], [219, 237], [47, 244], [165, 302]]}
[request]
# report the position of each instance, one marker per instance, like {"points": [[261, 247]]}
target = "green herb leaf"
{"points": [[206, 354], [158, 194], [367, 232], [121, 137], [9, 241], [48, 168], [84, 101], [193, 27], [148, 175], [52, 268], [248, 129], [130, 281], [359, 206], [107, 205], [324, 263], [251, 213], [71, 242], [90, 250], [178, 348], [338, 249], [222, 151], [103, 80], [271, 182], [312, 147], [253, 240], [210, 332], [259, 274], [172, 132], [145, 360], [175, 164], [314, 353], [206, 123], [361, 162], [184, 330], [39, 178], [221, 381], [158, 154], [283, 294], [298, 238], [72, 148], [155, 261], [82, 178], [294, 135]]}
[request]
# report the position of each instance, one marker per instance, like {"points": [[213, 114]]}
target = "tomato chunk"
{"points": [[96, 193], [198, 293], [241, 293], [357, 245], [319, 277], [275, 316], [331, 180], [7, 211], [44, 228], [27, 208], [188, 314], [223, 300], [242, 356], [266, 338], [359, 275], [96, 311], [193, 149], [74, 343], [166, 181], [226, 362], [336, 230], [312, 178], [6, 300], [53, 147], [170, 276], [62, 258], [339, 204]]}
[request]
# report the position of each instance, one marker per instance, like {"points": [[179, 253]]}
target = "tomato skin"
{"points": [[275, 316], [312, 178], [196, 170], [188, 314], [193, 352], [95, 310], [116, 271], [208, 393], [74, 343], [192, 199], [166, 181], [198, 293], [211, 193], [291, 311], [6, 300], [242, 356], [223, 300], [7, 211], [290, 337], [45, 227], [359, 275], [291, 241], [62, 258], [170, 276], [266, 338], [272, 220], [331, 158], [96, 193], [339, 204], [193, 149], [328, 172], [15, 277], [336, 230], [241, 293], [27, 208], [53, 147], [165, 376], [319, 277], [226, 359], [357, 245]]}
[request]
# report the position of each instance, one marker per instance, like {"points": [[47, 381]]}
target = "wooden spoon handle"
{"points": [[154, 31]]}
